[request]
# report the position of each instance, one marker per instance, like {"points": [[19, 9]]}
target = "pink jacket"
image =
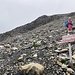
{"points": [[69, 22]]}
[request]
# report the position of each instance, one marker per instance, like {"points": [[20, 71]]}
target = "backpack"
{"points": [[66, 23]]}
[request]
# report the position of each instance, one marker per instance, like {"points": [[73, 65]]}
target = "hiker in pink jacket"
{"points": [[69, 24]]}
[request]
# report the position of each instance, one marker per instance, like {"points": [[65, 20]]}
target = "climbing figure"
{"points": [[69, 24]]}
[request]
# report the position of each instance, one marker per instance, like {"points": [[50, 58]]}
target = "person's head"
{"points": [[69, 18]]}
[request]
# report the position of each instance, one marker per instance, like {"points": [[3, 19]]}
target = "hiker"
{"points": [[69, 24]]}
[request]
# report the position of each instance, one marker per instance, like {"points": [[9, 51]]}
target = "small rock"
{"points": [[59, 48], [1, 47], [50, 46], [14, 48], [7, 46], [70, 70], [20, 59], [35, 55], [64, 66], [23, 55]]}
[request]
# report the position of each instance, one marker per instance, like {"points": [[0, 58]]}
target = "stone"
{"points": [[59, 48], [50, 46], [57, 51], [62, 57], [50, 36], [64, 66], [1, 47], [73, 56], [20, 58], [64, 50], [23, 55], [36, 67], [14, 48], [59, 63], [35, 55], [67, 73], [7, 46], [70, 70]]}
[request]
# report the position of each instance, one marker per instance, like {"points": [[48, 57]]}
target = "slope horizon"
{"points": [[32, 21]]}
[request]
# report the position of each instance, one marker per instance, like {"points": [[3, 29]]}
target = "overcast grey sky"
{"points": [[14, 13]]}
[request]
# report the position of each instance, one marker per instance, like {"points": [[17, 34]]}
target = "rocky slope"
{"points": [[45, 30], [36, 23]]}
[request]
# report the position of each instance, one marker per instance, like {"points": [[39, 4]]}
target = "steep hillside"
{"points": [[34, 42], [36, 23]]}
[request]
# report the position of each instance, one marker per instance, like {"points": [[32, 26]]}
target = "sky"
{"points": [[15, 13]]}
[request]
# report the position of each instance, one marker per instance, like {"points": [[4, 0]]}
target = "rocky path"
{"points": [[37, 45]]}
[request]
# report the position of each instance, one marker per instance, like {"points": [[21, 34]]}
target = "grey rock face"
{"points": [[47, 30]]}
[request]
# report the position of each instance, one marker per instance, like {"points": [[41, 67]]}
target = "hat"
{"points": [[69, 18]]}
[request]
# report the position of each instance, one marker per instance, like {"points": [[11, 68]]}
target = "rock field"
{"points": [[37, 45]]}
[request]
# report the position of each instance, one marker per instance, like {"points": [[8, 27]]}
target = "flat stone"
{"points": [[64, 50], [57, 51]]}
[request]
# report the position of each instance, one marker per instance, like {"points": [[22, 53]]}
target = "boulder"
{"points": [[32, 67]]}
